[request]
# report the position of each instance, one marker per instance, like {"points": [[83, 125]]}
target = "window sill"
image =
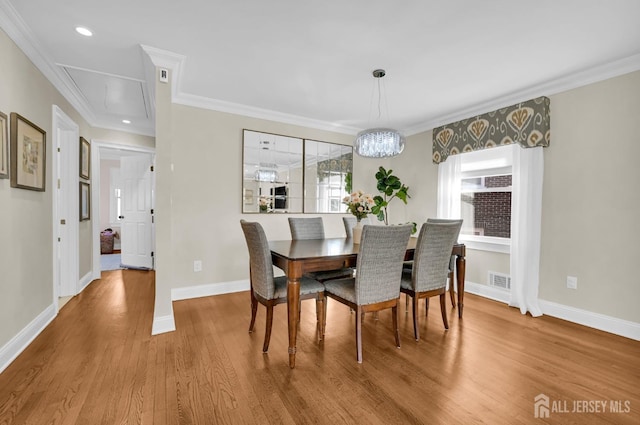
{"points": [[490, 244]]}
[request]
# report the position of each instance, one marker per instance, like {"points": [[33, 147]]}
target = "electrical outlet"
{"points": [[572, 282], [197, 266]]}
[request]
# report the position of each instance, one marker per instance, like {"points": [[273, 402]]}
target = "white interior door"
{"points": [[65, 204], [136, 230]]}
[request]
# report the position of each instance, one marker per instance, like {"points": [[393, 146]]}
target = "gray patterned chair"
{"points": [[350, 223], [428, 276], [269, 290], [376, 285], [452, 262], [313, 228]]}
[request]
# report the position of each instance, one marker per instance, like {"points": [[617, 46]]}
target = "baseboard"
{"points": [[209, 289], [18, 343], [163, 324], [590, 319], [598, 321], [85, 281], [487, 291]]}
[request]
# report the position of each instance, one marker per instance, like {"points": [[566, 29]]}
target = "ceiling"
{"points": [[310, 63]]}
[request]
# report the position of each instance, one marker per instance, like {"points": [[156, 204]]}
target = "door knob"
{"points": [[120, 217]]}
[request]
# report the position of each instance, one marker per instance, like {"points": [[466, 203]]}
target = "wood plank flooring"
{"points": [[97, 363]]}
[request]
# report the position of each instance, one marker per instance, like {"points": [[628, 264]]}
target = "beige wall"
{"points": [[26, 250], [26, 233], [591, 200]]}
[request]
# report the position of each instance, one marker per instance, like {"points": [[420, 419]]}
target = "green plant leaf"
{"points": [[348, 182]]}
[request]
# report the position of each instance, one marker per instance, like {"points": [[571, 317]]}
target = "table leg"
{"points": [[293, 311], [460, 272]]}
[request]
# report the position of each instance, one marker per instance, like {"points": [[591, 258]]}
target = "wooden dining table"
{"points": [[298, 257]]}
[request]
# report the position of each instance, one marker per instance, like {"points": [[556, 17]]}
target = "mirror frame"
{"points": [[251, 197]]}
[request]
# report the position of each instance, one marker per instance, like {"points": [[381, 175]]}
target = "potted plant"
{"points": [[359, 204], [391, 187]]}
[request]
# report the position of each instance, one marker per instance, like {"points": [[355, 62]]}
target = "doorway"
{"points": [[113, 222]]}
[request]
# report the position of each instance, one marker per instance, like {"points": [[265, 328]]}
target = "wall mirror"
{"points": [[283, 174], [326, 166], [272, 176]]}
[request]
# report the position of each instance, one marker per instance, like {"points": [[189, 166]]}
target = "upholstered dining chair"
{"points": [[304, 228], [452, 262], [376, 285], [350, 223], [428, 276], [269, 290]]}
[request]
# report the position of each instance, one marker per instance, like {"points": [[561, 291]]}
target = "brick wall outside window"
{"points": [[492, 210]]}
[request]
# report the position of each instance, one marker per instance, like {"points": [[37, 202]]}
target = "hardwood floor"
{"points": [[97, 363]]}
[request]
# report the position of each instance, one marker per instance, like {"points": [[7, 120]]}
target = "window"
{"points": [[485, 199], [485, 203]]}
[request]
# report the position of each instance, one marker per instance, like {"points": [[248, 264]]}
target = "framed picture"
{"points": [[85, 199], [85, 158], [4, 147], [27, 153]]}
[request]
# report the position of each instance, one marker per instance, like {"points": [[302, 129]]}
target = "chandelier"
{"points": [[379, 142], [268, 172]]}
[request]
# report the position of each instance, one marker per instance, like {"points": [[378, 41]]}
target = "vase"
{"points": [[357, 232]]}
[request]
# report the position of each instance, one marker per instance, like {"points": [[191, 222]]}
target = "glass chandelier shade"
{"points": [[379, 143], [263, 175]]}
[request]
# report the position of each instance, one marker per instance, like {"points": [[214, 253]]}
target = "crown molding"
{"points": [[176, 62], [13, 25], [558, 85], [265, 114]]}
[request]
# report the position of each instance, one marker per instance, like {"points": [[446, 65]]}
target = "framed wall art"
{"points": [[85, 201], [4, 147], [27, 154], [85, 158]]}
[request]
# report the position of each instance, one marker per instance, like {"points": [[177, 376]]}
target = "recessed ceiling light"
{"points": [[84, 31], [126, 121]]}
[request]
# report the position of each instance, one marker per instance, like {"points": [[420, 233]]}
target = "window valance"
{"points": [[526, 123]]}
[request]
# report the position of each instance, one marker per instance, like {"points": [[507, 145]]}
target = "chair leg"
{"points": [[299, 309], [394, 312], [416, 332], [406, 303], [443, 310], [267, 332], [359, 314], [452, 293], [426, 306], [320, 300], [254, 309], [324, 315]]}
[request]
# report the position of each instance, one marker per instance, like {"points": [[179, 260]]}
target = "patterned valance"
{"points": [[526, 123], [342, 164]]}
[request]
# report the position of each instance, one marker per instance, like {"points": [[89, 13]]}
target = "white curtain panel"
{"points": [[448, 203], [526, 215]]}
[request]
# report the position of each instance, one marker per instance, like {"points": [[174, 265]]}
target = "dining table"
{"points": [[297, 257]]}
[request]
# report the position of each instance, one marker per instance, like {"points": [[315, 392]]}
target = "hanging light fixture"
{"points": [[267, 171], [379, 142]]}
